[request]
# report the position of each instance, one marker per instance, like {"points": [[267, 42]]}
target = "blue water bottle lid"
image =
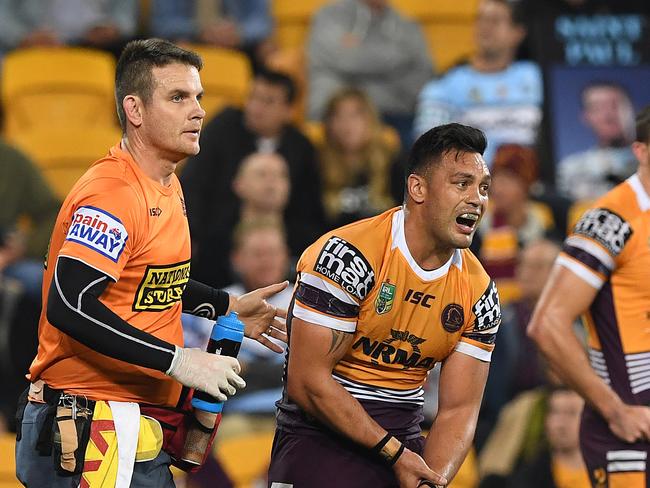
{"points": [[228, 327]]}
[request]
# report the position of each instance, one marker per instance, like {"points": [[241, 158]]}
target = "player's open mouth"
{"points": [[467, 221]]}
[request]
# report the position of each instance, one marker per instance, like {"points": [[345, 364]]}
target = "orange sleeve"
{"points": [[102, 229], [479, 333]]}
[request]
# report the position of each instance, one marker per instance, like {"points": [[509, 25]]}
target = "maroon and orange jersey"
{"points": [[122, 223], [610, 250], [362, 279]]}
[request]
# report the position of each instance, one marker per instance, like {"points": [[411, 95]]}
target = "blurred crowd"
{"points": [[319, 146]]}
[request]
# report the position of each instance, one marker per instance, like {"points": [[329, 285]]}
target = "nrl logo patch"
{"points": [[385, 298]]}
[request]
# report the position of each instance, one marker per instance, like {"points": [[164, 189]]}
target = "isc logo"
{"points": [[419, 298]]}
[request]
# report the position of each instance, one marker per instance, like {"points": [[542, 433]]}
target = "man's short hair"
{"points": [[643, 125], [133, 73], [436, 142], [276, 78], [595, 84], [516, 11]]}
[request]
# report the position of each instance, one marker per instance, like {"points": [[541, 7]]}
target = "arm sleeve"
{"points": [[204, 301], [74, 308]]}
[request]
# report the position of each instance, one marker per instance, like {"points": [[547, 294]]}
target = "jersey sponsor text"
{"points": [[98, 230], [161, 286]]}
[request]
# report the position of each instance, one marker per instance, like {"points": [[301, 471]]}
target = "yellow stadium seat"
{"points": [[254, 448], [449, 42], [63, 156], [48, 87], [315, 132], [427, 11], [292, 20], [8, 464], [226, 77]]}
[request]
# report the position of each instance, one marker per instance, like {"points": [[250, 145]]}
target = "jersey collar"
{"points": [[399, 241], [642, 197]]}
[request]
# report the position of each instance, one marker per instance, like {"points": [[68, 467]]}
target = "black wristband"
{"points": [[399, 452], [380, 445]]}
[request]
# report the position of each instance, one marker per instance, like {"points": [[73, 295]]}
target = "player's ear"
{"points": [[641, 151], [132, 105], [416, 186]]}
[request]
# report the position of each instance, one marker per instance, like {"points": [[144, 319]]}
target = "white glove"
{"points": [[211, 373]]}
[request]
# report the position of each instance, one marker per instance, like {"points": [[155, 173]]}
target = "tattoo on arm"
{"points": [[338, 338]]}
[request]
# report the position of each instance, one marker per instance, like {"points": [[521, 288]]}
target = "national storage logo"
{"points": [[161, 287]]}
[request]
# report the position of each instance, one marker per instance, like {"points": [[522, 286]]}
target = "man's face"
{"points": [[608, 111], [534, 267], [263, 182], [267, 109], [494, 31], [508, 190], [349, 125], [171, 121], [456, 198], [563, 421], [262, 258]]}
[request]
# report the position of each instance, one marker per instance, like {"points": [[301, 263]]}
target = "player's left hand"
{"points": [[261, 319]]}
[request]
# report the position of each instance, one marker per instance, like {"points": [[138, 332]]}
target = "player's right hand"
{"points": [[631, 423], [211, 373], [410, 469]]}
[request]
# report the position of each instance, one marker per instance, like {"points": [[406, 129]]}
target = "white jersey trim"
{"points": [[642, 197], [594, 249], [322, 319], [388, 395], [323, 285], [473, 351], [399, 241], [580, 271]]}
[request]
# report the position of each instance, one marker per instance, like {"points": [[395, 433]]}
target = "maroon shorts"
{"points": [[611, 462], [305, 455]]}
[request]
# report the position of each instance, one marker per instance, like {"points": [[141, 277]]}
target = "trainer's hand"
{"points": [[211, 373], [631, 423], [410, 469], [261, 318]]}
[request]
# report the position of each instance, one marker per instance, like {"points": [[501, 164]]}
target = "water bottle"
{"points": [[225, 340]]}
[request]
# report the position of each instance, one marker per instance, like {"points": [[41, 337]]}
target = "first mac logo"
{"points": [[344, 264], [99, 230]]}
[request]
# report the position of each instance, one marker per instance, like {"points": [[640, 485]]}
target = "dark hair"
{"points": [[643, 125], [602, 84], [516, 10], [133, 72], [282, 80], [433, 144]]}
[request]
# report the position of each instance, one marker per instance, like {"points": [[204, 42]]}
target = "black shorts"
{"points": [[611, 462], [307, 456]]}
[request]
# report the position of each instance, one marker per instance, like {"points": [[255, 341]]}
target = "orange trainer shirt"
{"points": [[610, 250], [362, 279], [124, 224]]}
